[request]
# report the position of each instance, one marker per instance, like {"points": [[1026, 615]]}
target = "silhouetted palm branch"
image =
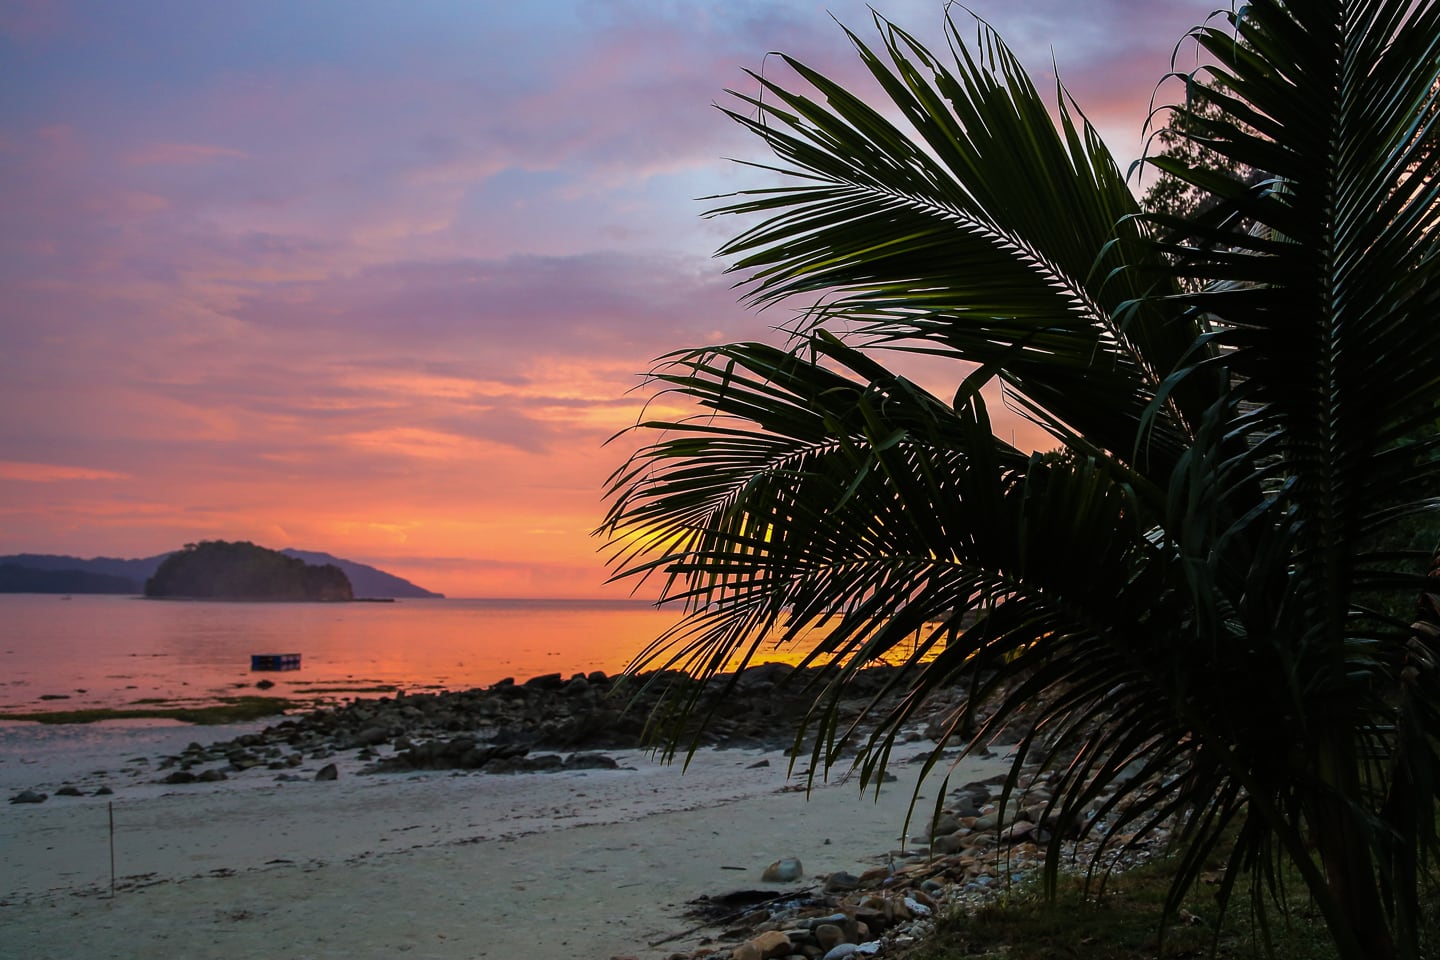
{"points": [[1193, 591]]}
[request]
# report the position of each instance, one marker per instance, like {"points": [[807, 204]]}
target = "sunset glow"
{"points": [[382, 279]]}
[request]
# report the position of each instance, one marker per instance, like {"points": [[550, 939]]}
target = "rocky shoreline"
{"points": [[547, 723], [974, 848]]}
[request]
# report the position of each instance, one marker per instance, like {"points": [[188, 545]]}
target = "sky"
{"points": [[382, 278]]}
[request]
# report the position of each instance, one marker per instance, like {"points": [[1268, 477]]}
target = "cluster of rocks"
{"points": [[69, 790], [502, 728], [975, 849], [545, 724]]}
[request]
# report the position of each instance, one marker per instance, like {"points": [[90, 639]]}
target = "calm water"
{"points": [[113, 651]]}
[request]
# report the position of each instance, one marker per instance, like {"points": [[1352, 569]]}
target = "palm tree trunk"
{"points": [[1349, 868]]}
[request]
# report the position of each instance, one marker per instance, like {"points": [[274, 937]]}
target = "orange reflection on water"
{"points": [[116, 651]]}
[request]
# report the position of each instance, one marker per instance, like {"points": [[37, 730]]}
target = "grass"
{"points": [[1123, 924], [230, 710]]}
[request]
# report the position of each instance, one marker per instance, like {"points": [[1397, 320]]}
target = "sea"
{"points": [[89, 651]]}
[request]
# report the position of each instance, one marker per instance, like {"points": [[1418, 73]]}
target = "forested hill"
{"points": [[222, 570]]}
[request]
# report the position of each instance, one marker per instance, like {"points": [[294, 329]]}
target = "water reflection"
{"points": [[103, 651]]}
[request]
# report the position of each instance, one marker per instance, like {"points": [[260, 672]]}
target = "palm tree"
{"points": [[1193, 588]]}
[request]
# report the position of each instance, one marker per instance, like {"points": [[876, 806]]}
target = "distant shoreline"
{"points": [[269, 599]]}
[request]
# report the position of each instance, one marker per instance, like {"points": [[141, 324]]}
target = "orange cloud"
{"points": [[419, 443], [52, 472]]}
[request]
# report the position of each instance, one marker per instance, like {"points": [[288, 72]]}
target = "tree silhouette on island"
{"points": [[224, 570]]}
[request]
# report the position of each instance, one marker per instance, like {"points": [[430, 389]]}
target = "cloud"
{"points": [[53, 473], [382, 275], [180, 154]]}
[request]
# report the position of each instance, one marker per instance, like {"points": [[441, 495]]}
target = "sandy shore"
{"points": [[595, 863]]}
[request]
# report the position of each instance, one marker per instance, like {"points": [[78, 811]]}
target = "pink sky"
{"points": [[380, 278]]}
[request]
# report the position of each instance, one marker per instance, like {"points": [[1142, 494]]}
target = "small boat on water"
{"points": [[274, 661]]}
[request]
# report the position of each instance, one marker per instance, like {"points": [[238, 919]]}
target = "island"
{"points": [[240, 570]]}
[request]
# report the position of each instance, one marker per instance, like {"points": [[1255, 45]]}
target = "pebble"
{"points": [[29, 796], [784, 870]]}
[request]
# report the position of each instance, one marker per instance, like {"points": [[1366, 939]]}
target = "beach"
{"points": [[445, 864]]}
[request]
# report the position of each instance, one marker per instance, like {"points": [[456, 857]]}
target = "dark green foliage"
{"points": [[1181, 149], [1204, 605], [222, 570]]}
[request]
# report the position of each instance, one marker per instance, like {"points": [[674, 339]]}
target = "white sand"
{"points": [[588, 864]]}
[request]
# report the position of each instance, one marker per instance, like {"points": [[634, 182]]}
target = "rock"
{"points": [[948, 844], [102, 792], [869, 948], [841, 882], [29, 796], [212, 776], [590, 761], [829, 936], [758, 764], [784, 870], [944, 824], [264, 684], [965, 806], [767, 946], [180, 776], [69, 791], [328, 772], [370, 737], [922, 897], [1023, 831], [837, 919]]}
